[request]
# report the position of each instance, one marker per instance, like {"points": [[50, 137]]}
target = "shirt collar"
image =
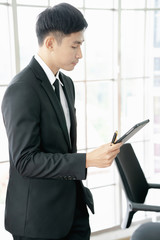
{"points": [[52, 78]]}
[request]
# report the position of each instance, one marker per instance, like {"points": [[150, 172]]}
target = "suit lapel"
{"points": [[40, 74]]}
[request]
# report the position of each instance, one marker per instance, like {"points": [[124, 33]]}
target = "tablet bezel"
{"points": [[132, 131]]}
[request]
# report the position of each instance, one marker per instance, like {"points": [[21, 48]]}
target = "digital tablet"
{"points": [[132, 131]]}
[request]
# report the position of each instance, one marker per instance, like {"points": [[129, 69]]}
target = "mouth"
{"points": [[74, 63]]}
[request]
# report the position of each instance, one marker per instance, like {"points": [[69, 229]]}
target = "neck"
{"points": [[46, 57]]}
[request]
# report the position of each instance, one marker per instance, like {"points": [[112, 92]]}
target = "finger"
{"points": [[116, 146]]}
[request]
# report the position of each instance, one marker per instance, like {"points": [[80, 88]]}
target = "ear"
{"points": [[49, 43]]}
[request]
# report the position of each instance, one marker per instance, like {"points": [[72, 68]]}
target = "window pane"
{"points": [[157, 157], [99, 113], [156, 29], [156, 105], [76, 3], [132, 44], [157, 64], [100, 44], [3, 135], [153, 3], [27, 35], [5, 1], [100, 177], [156, 88], [31, 2], [4, 171], [105, 211], [101, 3], [132, 106], [80, 113], [5, 46], [133, 4], [156, 82], [149, 42], [156, 131]]}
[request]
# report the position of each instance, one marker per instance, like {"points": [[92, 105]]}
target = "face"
{"points": [[65, 55]]}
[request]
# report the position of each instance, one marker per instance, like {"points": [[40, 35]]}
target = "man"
{"points": [[46, 198]]}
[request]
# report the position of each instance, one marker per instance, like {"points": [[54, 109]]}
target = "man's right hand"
{"points": [[103, 156]]}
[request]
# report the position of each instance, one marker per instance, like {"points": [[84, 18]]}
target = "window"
{"points": [[117, 85]]}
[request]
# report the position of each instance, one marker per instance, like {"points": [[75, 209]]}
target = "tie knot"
{"points": [[56, 85]]}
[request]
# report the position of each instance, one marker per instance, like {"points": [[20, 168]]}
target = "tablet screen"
{"points": [[132, 131]]}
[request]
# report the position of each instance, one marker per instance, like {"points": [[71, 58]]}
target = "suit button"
{"points": [[65, 178], [74, 178], [70, 178]]}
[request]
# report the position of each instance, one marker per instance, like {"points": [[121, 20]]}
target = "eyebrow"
{"points": [[78, 42]]}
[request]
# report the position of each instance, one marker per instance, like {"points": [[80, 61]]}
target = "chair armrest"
{"points": [[154, 185], [143, 207]]}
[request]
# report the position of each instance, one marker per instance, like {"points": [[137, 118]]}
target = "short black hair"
{"points": [[62, 18]]}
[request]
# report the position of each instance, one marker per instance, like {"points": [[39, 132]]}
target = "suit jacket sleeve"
{"points": [[21, 108]]}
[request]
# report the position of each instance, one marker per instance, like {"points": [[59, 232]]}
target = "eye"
{"points": [[74, 47]]}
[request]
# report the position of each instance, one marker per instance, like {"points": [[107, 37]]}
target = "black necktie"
{"points": [[56, 85]]}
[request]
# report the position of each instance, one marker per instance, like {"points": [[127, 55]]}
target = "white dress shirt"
{"points": [[52, 79]]}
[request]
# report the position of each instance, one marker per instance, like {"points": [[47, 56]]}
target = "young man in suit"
{"points": [[46, 198]]}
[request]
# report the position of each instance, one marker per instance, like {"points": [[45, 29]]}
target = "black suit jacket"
{"points": [[44, 166]]}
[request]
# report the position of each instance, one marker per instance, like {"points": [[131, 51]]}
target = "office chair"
{"points": [[134, 183], [147, 231]]}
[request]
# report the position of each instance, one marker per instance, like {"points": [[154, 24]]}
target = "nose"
{"points": [[79, 53]]}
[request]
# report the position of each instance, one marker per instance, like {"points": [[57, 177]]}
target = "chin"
{"points": [[69, 68]]}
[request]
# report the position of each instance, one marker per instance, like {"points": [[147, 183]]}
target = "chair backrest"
{"points": [[132, 176]]}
